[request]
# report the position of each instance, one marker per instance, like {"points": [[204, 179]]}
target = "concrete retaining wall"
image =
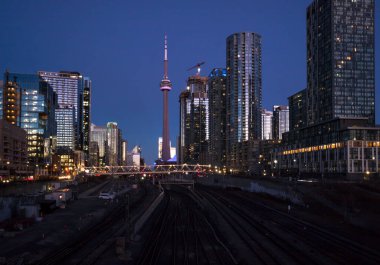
{"points": [[280, 190]]}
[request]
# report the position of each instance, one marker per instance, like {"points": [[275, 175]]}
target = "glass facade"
{"points": [[114, 144], [99, 135], [297, 110], [194, 121], [37, 103], [340, 60], [280, 121], [266, 124], [73, 91], [244, 97], [65, 128], [217, 86]]}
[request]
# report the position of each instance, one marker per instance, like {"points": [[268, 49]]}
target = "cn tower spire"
{"points": [[165, 87]]}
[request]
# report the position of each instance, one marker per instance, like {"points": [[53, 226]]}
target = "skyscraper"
{"points": [[73, 91], [165, 87], [266, 124], [339, 139], [184, 126], [93, 154], [340, 60], [194, 121], [86, 109], [65, 118], [244, 98], [99, 134], [297, 110], [280, 121], [217, 94], [114, 144]]}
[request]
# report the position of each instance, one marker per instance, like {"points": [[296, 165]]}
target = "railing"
{"points": [[147, 169]]}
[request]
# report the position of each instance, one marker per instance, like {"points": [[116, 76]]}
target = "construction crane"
{"points": [[198, 66]]}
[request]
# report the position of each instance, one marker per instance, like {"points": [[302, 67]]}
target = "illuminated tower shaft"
{"points": [[165, 87]]}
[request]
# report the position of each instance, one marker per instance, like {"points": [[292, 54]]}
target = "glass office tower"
{"points": [[340, 60], [266, 124], [114, 144], [37, 103], [73, 91], [65, 118], [99, 135], [280, 121], [244, 98]]}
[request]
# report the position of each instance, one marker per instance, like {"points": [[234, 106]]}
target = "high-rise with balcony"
{"points": [[340, 60], [244, 99]]}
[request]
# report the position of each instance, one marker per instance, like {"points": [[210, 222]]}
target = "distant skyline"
{"points": [[119, 45]]}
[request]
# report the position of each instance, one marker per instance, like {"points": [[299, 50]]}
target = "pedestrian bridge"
{"points": [[148, 170]]}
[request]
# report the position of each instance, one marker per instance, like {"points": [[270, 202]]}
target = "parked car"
{"points": [[107, 195]]}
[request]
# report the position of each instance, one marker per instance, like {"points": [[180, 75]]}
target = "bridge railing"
{"points": [[147, 169]]}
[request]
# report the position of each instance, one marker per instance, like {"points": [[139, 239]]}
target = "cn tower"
{"points": [[165, 87]]}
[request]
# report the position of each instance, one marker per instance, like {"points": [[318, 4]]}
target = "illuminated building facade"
{"points": [[86, 109], [10, 99], [73, 91], [194, 121], [339, 138], [13, 150], [34, 108], [266, 124], [340, 60], [114, 144], [124, 152], [217, 93], [280, 121], [99, 134], [65, 119], [173, 150], [244, 99]]}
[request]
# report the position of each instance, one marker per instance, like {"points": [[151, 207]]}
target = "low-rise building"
{"points": [[13, 150], [340, 148]]}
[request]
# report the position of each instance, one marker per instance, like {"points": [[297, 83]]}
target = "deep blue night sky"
{"points": [[119, 44]]}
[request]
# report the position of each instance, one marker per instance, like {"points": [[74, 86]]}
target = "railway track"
{"points": [[257, 244], [181, 234], [343, 250], [302, 242]]}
